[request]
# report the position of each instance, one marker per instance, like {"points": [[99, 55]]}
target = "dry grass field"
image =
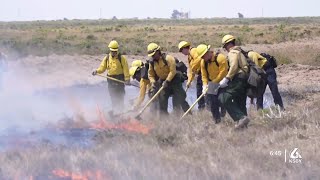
{"points": [[43, 38], [54, 58]]}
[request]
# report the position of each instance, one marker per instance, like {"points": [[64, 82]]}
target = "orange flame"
{"points": [[79, 176], [132, 125]]}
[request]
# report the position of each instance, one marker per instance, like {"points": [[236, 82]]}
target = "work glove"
{"points": [[159, 82], [165, 84], [153, 89], [224, 82], [127, 83], [204, 89], [153, 86], [94, 72]]}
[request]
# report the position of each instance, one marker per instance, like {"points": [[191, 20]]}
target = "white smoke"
{"points": [[25, 105]]}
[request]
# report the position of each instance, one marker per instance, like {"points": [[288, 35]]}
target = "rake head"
{"points": [[138, 117]]}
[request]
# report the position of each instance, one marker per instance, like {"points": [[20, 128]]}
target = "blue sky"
{"points": [[11, 10]]}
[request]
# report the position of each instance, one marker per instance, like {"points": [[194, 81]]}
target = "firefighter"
{"points": [[194, 69], [117, 67], [162, 72], [263, 63], [235, 83], [214, 67], [139, 72]]}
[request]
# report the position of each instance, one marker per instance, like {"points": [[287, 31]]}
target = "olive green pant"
{"points": [[116, 92], [234, 98], [178, 96]]}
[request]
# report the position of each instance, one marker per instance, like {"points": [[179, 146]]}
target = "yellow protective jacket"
{"points": [[257, 58], [237, 62], [144, 86], [113, 66], [216, 73], [162, 70], [194, 64]]}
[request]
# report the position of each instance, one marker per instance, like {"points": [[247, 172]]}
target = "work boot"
{"points": [[217, 121], [242, 123], [223, 112]]}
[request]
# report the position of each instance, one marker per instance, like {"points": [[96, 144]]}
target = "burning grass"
{"points": [[192, 148], [131, 124]]}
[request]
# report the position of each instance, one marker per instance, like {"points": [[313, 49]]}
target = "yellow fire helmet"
{"points": [[133, 70], [183, 44], [152, 49], [202, 49], [138, 63], [113, 45], [135, 65], [226, 39]]}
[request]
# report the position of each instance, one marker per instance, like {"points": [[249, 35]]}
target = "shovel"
{"points": [[117, 80], [215, 91], [203, 94], [149, 102]]}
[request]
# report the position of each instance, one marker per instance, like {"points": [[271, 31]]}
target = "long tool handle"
{"points": [[117, 80], [191, 107], [150, 101], [187, 89]]}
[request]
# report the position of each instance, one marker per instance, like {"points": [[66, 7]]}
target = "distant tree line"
{"points": [[180, 15]]}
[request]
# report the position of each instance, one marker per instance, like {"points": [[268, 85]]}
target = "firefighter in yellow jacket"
{"points": [[214, 67], [117, 67], [162, 71], [235, 83], [139, 72], [194, 69], [263, 63]]}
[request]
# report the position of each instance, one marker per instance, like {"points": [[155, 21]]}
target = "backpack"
{"points": [[119, 58], [272, 60], [180, 67], [215, 60], [183, 69], [144, 71], [257, 78]]}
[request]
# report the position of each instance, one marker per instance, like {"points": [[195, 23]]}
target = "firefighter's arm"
{"points": [[196, 60], [223, 68], [172, 66], [151, 74], [204, 73], [193, 68], [103, 66], [142, 93], [191, 75], [125, 68], [234, 64]]}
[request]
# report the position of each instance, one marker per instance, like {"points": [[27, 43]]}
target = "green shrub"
{"points": [[91, 37]]}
